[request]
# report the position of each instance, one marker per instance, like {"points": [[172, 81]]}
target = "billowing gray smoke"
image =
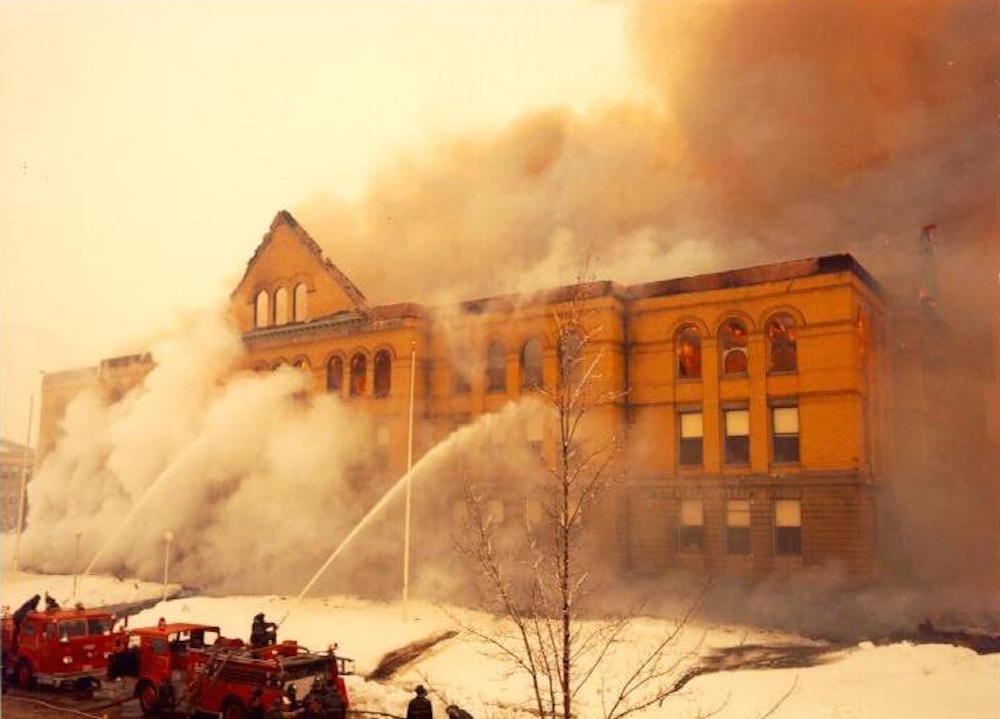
{"points": [[774, 131]]}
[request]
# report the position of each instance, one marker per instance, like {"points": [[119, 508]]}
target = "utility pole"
{"points": [[24, 483], [168, 537], [409, 481]]}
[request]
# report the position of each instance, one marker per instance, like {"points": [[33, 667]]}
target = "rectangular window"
{"points": [[692, 535], [738, 526], [788, 526], [690, 450], [785, 434], [737, 436]]}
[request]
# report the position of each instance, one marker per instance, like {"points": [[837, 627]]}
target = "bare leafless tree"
{"points": [[537, 582]]}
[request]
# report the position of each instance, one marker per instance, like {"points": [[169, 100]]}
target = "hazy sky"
{"points": [[145, 147]]}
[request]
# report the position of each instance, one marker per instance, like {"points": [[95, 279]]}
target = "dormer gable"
{"points": [[288, 280]]}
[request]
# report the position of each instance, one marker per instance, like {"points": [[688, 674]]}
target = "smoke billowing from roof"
{"points": [[772, 131]]}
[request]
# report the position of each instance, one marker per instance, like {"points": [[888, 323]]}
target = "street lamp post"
{"points": [[76, 563], [409, 465], [168, 537]]}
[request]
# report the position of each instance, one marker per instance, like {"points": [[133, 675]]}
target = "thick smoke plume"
{"points": [[254, 476], [773, 131]]}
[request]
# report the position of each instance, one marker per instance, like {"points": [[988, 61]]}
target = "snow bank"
{"points": [[18, 587], [865, 681]]}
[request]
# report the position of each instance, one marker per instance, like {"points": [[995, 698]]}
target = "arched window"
{"points": [[781, 344], [300, 306], [496, 368], [569, 357], [532, 375], [260, 316], [359, 375], [688, 353], [281, 306], [301, 364], [733, 341], [383, 373], [335, 375]]}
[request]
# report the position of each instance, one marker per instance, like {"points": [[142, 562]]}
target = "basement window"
{"points": [[688, 353], [691, 536], [738, 526], [787, 527], [383, 373], [733, 341], [689, 452], [785, 435], [737, 436]]}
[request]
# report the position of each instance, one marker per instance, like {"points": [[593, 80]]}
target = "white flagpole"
{"points": [[409, 464]]}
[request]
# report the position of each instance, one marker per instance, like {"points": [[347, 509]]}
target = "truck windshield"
{"points": [[98, 625], [73, 628]]}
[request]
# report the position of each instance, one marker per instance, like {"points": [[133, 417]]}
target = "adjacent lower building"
{"points": [[752, 401]]}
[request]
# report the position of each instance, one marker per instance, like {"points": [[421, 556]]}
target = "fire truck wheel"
{"points": [[149, 701], [85, 688], [234, 709], [25, 674]]}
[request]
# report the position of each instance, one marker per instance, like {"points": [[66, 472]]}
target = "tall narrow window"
{"points": [[335, 375], [692, 535], [570, 359], [301, 308], [260, 316], [496, 368], [383, 373], [532, 376], [737, 436], [781, 344], [281, 306], [785, 434], [733, 343], [787, 526], [688, 353], [459, 380], [690, 449], [738, 526], [359, 375]]}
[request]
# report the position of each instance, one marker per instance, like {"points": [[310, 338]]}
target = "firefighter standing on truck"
{"points": [[262, 633]]}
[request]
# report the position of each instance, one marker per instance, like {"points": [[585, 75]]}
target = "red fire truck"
{"points": [[193, 668], [60, 647]]}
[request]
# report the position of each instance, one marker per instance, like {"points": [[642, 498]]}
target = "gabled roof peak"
{"points": [[284, 218]]}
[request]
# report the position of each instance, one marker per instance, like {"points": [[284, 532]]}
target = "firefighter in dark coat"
{"points": [[420, 705], [262, 633], [456, 712], [51, 605]]}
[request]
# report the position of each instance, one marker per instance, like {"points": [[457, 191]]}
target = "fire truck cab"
{"points": [[191, 668], [61, 648]]}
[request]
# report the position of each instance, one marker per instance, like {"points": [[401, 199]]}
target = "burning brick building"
{"points": [[752, 402]]}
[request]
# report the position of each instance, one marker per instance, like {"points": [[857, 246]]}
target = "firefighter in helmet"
{"points": [[262, 633]]}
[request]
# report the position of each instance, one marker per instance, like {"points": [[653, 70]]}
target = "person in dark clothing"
{"points": [[420, 705], [25, 609], [262, 633], [255, 709], [51, 604], [456, 712]]}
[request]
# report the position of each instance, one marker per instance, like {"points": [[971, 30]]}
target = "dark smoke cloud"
{"points": [[776, 130]]}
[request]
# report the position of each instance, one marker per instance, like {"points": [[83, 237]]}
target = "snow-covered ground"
{"points": [[899, 680]]}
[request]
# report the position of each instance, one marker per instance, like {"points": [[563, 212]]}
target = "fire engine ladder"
{"points": [[204, 682]]}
